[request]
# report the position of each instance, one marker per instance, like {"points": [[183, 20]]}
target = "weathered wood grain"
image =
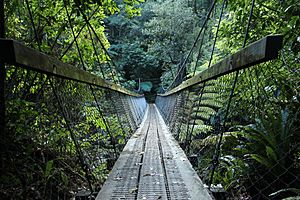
{"points": [[153, 166], [15, 53], [260, 51]]}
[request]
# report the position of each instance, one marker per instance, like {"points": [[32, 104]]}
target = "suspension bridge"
{"points": [[152, 164], [156, 162]]}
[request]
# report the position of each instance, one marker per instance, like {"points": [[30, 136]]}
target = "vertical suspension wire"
{"points": [[121, 102], [84, 165], [180, 106], [116, 111], [215, 160], [199, 52], [195, 43], [167, 109], [134, 111], [216, 36], [170, 109], [91, 88], [74, 36], [190, 113], [78, 150], [248, 24], [129, 116], [33, 25], [34, 29], [88, 171], [95, 51], [115, 76], [185, 104], [39, 43], [188, 133], [248, 75], [106, 124], [123, 99], [78, 34]]}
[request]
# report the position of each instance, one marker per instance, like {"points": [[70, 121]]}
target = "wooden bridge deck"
{"points": [[152, 166]]}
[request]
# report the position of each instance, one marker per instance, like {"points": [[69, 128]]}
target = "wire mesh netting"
{"points": [[61, 136], [240, 130], [253, 151]]}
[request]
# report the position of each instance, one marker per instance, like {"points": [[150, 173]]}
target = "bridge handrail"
{"points": [[260, 51], [15, 53]]}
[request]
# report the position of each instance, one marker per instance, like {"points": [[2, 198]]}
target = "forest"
{"points": [[240, 131]]}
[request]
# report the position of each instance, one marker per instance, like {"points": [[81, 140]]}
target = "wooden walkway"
{"points": [[152, 166]]}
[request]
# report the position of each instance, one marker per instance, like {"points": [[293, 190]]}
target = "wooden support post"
{"points": [[2, 75], [2, 90]]}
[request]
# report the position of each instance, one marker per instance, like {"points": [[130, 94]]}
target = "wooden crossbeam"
{"points": [[260, 51], [17, 54]]}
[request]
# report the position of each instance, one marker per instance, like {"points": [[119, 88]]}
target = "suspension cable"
{"points": [[91, 88], [79, 32], [95, 50], [216, 37], [101, 43], [199, 52], [217, 151], [73, 33], [107, 127], [189, 132], [195, 42], [33, 25], [84, 166], [185, 105], [188, 138], [118, 118], [117, 114]]}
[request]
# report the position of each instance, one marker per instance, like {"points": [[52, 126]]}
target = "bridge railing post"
{"points": [[2, 79]]}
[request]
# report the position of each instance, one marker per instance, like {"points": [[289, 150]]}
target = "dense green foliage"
{"points": [[53, 31], [258, 156], [155, 43], [149, 43], [45, 150], [259, 153], [57, 141]]}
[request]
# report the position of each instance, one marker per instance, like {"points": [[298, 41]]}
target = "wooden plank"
{"points": [[15, 53], [260, 51], [153, 166], [179, 169], [122, 181], [152, 178]]}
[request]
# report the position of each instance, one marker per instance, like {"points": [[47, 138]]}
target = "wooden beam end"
{"points": [[7, 52], [273, 45]]}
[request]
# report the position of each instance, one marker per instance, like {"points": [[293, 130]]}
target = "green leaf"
{"points": [[49, 168], [262, 160], [271, 153], [294, 190], [64, 178]]}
